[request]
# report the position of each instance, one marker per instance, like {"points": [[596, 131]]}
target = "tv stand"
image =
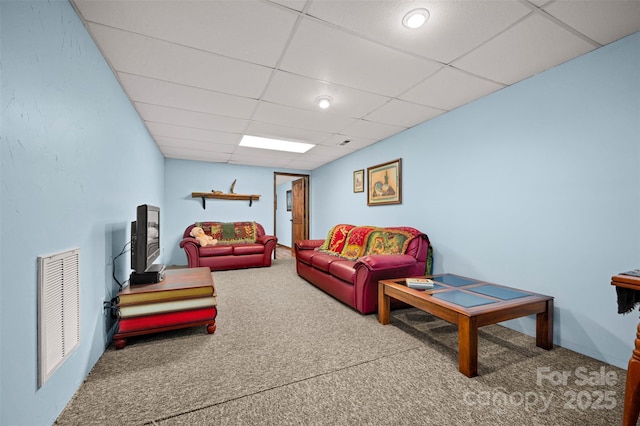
{"points": [[154, 274], [184, 298]]}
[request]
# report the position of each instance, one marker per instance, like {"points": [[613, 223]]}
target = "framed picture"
{"points": [[358, 181], [384, 183], [289, 200]]}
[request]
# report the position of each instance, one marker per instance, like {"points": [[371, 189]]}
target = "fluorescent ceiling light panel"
{"points": [[275, 144]]}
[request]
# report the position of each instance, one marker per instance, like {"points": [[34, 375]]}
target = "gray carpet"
{"points": [[285, 353]]}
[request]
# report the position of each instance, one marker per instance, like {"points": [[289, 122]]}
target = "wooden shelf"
{"points": [[244, 197]]}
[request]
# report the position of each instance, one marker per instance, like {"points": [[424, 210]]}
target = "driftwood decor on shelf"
{"points": [[220, 196]]}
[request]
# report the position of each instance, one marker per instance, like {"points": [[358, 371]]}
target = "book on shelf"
{"points": [[147, 293], [168, 319], [420, 283], [151, 308]]}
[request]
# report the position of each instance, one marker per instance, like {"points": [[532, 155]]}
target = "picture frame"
{"points": [[384, 183], [358, 180], [289, 200]]}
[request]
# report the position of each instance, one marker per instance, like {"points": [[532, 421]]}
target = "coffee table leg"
{"points": [[467, 346], [632, 389], [544, 327], [384, 306]]}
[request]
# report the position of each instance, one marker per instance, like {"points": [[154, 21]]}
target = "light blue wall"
{"points": [[536, 186], [75, 162], [182, 177]]}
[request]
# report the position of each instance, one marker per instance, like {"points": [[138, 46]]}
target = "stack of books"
{"points": [[174, 302]]}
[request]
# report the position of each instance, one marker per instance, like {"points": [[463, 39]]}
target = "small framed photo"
{"points": [[358, 181], [289, 200], [384, 183]]}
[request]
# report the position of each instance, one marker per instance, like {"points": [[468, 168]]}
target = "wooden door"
{"points": [[299, 227]]}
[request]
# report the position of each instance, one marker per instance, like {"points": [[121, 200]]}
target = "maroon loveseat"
{"points": [[240, 245], [352, 259]]}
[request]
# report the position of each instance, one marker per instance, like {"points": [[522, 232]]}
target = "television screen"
{"points": [[153, 235], [145, 239]]}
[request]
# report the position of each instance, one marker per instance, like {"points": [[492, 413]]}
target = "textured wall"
{"points": [[76, 160]]}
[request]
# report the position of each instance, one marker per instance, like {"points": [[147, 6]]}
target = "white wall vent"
{"points": [[58, 310]]}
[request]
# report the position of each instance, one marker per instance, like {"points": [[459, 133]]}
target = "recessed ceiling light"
{"points": [[324, 102], [415, 18], [274, 144]]}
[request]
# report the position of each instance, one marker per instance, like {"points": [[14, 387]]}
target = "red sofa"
{"points": [[352, 259], [240, 245]]}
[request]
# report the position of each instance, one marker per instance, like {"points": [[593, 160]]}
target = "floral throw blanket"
{"points": [[231, 232], [336, 239], [352, 242]]}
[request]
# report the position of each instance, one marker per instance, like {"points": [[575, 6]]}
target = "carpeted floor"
{"points": [[285, 353]]}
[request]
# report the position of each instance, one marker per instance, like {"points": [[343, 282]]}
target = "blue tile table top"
{"points": [[462, 298], [455, 280], [499, 292]]}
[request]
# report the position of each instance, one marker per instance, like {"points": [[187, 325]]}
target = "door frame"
{"points": [[295, 176]]}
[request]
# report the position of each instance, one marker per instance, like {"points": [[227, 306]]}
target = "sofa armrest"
{"points": [[373, 268], [191, 248], [308, 244], [387, 261], [264, 239]]}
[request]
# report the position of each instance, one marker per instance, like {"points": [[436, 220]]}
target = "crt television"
{"points": [[145, 243]]}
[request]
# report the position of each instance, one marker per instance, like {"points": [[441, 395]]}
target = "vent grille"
{"points": [[58, 310]]}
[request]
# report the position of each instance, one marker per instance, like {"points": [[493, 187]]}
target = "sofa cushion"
{"points": [[336, 239], [305, 256], [343, 269], [322, 261], [241, 249], [356, 243], [388, 241], [217, 250]]}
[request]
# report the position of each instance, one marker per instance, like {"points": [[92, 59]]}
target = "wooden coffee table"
{"points": [[470, 303]]}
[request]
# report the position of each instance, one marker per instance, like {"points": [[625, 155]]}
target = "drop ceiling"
{"points": [[203, 73]]}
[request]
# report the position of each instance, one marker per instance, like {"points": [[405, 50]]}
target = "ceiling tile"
{"points": [[449, 88], [230, 28], [355, 142], [301, 92], [403, 114], [179, 64], [602, 21], [163, 93], [164, 142], [199, 120], [373, 130], [325, 53], [265, 153], [328, 152], [291, 4], [532, 46], [453, 29], [322, 121], [262, 157], [193, 134], [201, 73], [195, 155]]}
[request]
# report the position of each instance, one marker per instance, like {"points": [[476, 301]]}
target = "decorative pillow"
{"points": [[356, 242], [385, 241], [334, 243], [231, 232]]}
